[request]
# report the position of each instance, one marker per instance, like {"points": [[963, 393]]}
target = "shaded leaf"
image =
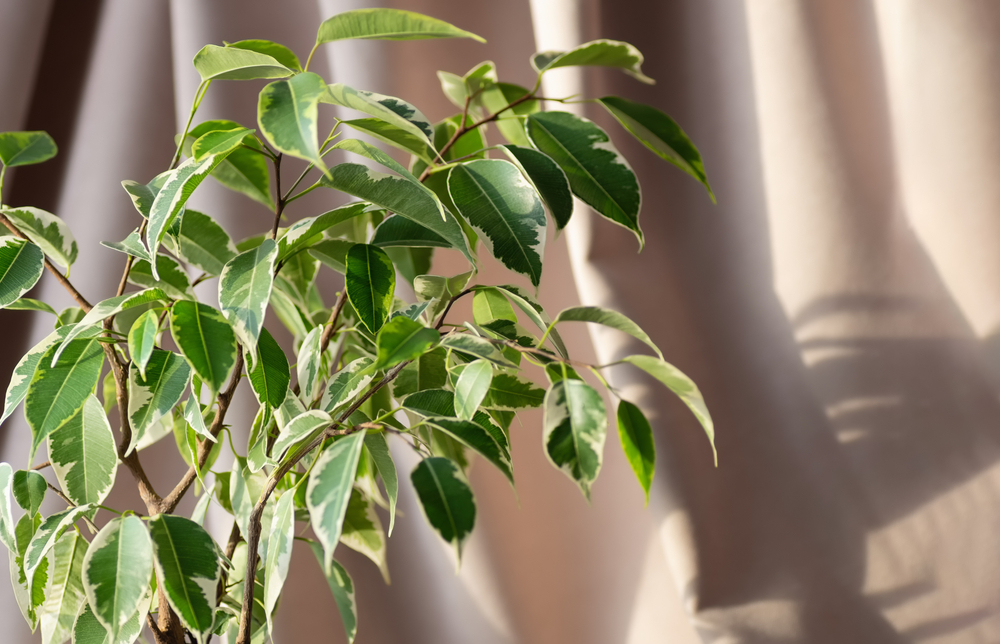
{"points": [[510, 393], [64, 596], [277, 51], [608, 318], [400, 231], [171, 277], [476, 437], [547, 178], [403, 339], [472, 387], [305, 232], [446, 500], [244, 171], [370, 282], [363, 531], [271, 375], [597, 172], [201, 242], [392, 110], [378, 447], [661, 134], [279, 553], [21, 266], [637, 442], [29, 490], [342, 588], [575, 428]]}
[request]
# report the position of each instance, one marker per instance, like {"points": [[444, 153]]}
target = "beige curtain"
{"points": [[839, 308]]}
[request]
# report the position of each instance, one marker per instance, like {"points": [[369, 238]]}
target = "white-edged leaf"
{"points": [[47, 534], [206, 340], [26, 148], [575, 428], [390, 109], [310, 361], [546, 177], [342, 588], [107, 308], [64, 596], [471, 388], [142, 339], [131, 245], [6, 520], [200, 241], [20, 378], [153, 397], [117, 570], [287, 112], [608, 318], [84, 456], [363, 531], [378, 447], [46, 231], [188, 569], [279, 553], [476, 437], [347, 384], [598, 53], [329, 490], [245, 289], [306, 231], [298, 429]]}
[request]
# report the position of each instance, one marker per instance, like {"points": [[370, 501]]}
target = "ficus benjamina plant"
{"points": [[368, 370]]}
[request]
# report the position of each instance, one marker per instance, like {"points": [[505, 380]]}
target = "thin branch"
{"points": [[62, 279], [447, 308], [332, 323], [70, 503], [279, 202], [169, 502]]}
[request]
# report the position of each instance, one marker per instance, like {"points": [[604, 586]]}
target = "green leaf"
{"points": [[171, 277], [476, 347], [46, 231], [178, 187], [28, 304], [64, 596], [396, 136], [342, 588], [29, 490], [363, 531], [287, 113], [329, 491], [105, 309], [6, 519], [206, 340], [608, 318], [446, 500], [244, 291], [332, 253], [142, 339], [400, 231], [57, 392], [426, 372], [116, 572], [187, 569], [504, 210], [144, 194], [637, 443], [219, 142], [510, 393], [244, 171], [279, 553], [472, 387], [26, 148], [237, 63], [131, 245], [370, 283], [29, 592], [675, 380], [378, 447], [575, 427], [87, 630], [387, 24], [270, 377], [661, 134], [47, 534], [490, 305], [498, 96], [84, 456], [401, 195], [598, 53], [347, 384], [476, 437], [245, 488], [152, 397], [403, 339], [298, 430], [20, 379], [21, 266], [201, 242], [308, 231], [597, 172], [547, 178], [277, 51], [392, 110]]}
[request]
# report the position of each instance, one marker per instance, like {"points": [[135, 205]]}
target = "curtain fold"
{"points": [[839, 308]]}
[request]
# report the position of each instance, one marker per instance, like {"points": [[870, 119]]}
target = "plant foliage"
{"points": [[369, 368]]}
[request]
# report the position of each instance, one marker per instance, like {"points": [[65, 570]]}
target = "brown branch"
{"points": [[253, 538], [225, 399], [70, 503], [447, 308], [131, 461], [279, 201], [464, 129], [332, 322], [62, 279]]}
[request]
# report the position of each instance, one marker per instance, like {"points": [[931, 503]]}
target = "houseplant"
{"points": [[366, 367]]}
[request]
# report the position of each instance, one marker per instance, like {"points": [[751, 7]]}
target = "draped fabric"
{"points": [[838, 307]]}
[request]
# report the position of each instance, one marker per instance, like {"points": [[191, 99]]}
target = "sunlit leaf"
{"points": [[599, 53], [21, 266], [387, 24], [575, 428], [46, 231], [26, 148]]}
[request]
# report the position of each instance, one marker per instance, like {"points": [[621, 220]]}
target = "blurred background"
{"points": [[838, 307]]}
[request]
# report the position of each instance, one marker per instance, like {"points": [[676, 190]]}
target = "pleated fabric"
{"points": [[839, 307]]}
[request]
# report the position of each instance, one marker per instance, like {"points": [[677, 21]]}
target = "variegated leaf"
{"points": [[244, 290], [329, 490], [188, 569], [151, 398], [117, 570], [84, 456]]}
